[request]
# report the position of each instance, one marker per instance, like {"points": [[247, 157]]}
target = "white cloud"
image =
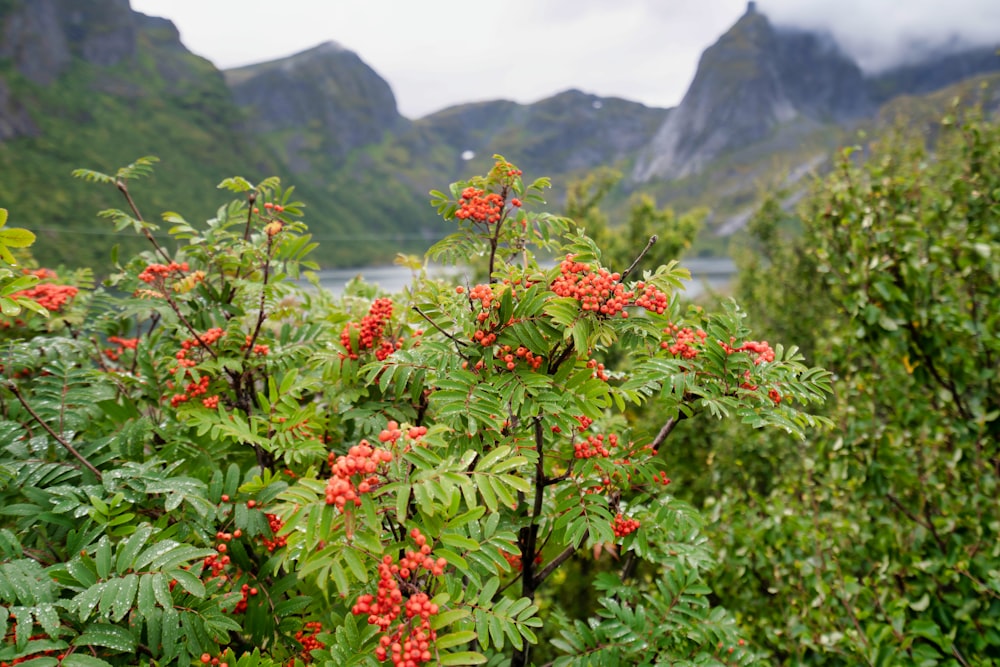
{"points": [[435, 53]]}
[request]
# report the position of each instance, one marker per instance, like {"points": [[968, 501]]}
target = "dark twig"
{"points": [[664, 432], [560, 558], [62, 441], [649, 244], [251, 198], [123, 188], [434, 324]]}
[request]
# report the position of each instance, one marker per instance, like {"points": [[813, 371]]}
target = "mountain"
{"points": [[96, 84], [753, 80], [562, 136], [321, 103]]}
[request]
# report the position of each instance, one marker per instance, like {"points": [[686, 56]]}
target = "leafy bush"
{"points": [[207, 460], [877, 543]]}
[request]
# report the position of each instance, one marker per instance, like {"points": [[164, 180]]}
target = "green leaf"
{"points": [[187, 581], [462, 658], [83, 660], [125, 597], [127, 551], [108, 636], [102, 558], [455, 639], [15, 237]]}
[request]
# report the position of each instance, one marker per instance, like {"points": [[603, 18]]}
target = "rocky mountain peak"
{"points": [[326, 92], [754, 79]]}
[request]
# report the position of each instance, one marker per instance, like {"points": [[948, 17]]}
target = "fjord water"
{"points": [[707, 273]]}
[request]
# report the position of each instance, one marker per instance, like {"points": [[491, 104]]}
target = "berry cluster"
{"points": [[276, 524], [207, 659], [209, 337], [362, 460], [277, 208], [193, 390], [307, 636], [158, 273], [479, 206], [534, 361], [599, 371], [49, 296], [684, 341], [393, 432], [601, 291], [246, 591], [409, 643], [760, 351], [198, 387], [217, 564], [515, 560], [259, 350], [598, 291], [623, 526], [121, 344], [370, 332], [594, 446], [651, 298]]}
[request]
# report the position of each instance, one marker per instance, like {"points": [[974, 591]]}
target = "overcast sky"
{"points": [[435, 53]]}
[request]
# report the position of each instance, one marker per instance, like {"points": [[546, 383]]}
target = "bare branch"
{"points": [[58, 438]]}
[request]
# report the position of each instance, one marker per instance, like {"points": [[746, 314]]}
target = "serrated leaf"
{"points": [[86, 601], [108, 636], [125, 597], [188, 582], [102, 559], [462, 658], [47, 617], [15, 237], [446, 618], [83, 660], [146, 599], [127, 551], [455, 639]]}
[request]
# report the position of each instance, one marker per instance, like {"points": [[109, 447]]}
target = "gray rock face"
{"points": [[42, 36], [326, 92], [33, 39], [752, 80], [14, 118]]}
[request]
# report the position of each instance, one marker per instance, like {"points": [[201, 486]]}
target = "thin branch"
{"points": [[123, 188], [664, 432], [261, 313], [649, 244], [251, 198], [62, 441], [917, 520], [434, 324], [560, 558]]}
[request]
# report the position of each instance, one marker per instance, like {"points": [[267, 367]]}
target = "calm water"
{"points": [[715, 273]]}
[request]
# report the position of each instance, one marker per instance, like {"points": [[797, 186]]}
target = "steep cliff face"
{"points": [[95, 84], [317, 105], [42, 37], [752, 80]]}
